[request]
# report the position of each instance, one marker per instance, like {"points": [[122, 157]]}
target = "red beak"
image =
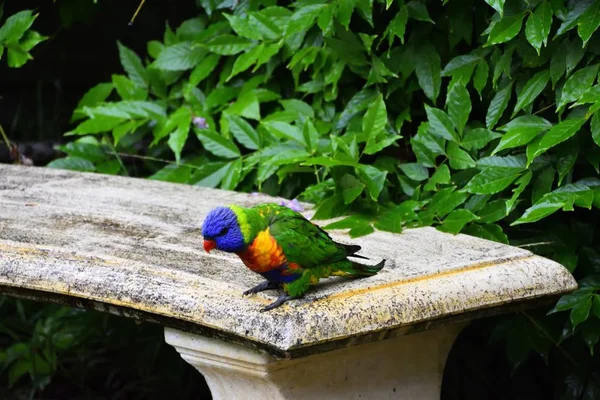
{"points": [[209, 245]]}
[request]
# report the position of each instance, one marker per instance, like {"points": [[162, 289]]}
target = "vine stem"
{"points": [[136, 12]]}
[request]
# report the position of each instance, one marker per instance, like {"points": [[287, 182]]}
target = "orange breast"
{"points": [[264, 254]]}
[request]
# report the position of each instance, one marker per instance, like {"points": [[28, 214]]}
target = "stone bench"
{"points": [[133, 247]]}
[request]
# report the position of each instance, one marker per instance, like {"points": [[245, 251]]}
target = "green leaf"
{"points": [[522, 183], [203, 69], [351, 188], [30, 40], [243, 132], [245, 61], [390, 221], [16, 25], [577, 84], [375, 118], [96, 125], [595, 128], [246, 105], [353, 221], [397, 26], [284, 130], [329, 208], [440, 124], [89, 151], [478, 138], [492, 180], [344, 11], [481, 76], [576, 9], [517, 163], [581, 312], [459, 62], [505, 29], [359, 102], [489, 232], [521, 131], [492, 211], [311, 136], [362, 230], [563, 197], [542, 184], [591, 95], [532, 90], [17, 57], [589, 22], [217, 144], [228, 45], [92, 97], [373, 178], [440, 176], [418, 11], [133, 66], [375, 146], [232, 175], [72, 163], [456, 220], [127, 89], [557, 134], [172, 173], [497, 106], [179, 57], [415, 171], [567, 156], [428, 70], [303, 18], [329, 162], [497, 5], [182, 118], [244, 26], [209, 174], [446, 200], [538, 25], [458, 103], [325, 20], [596, 306], [459, 159], [572, 300]]}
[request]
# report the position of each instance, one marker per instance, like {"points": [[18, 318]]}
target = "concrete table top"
{"points": [[133, 247]]}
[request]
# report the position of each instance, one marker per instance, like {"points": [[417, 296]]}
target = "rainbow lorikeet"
{"points": [[280, 244]]}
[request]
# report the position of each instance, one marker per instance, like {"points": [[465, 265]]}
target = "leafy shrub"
{"points": [[17, 37], [470, 118]]}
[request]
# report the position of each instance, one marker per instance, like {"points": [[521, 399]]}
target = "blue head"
{"points": [[221, 230]]}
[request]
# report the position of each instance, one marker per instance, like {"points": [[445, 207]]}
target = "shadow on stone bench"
{"points": [[133, 247]]}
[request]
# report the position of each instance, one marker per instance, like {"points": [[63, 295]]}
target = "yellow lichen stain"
{"points": [[474, 267]]}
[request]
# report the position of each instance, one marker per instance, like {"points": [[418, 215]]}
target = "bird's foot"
{"points": [[280, 300], [266, 285]]}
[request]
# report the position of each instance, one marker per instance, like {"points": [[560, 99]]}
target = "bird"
{"points": [[285, 248]]}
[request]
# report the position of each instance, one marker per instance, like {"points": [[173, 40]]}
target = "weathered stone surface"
{"points": [[134, 247]]}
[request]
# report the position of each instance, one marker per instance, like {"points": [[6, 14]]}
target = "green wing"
{"points": [[303, 242]]}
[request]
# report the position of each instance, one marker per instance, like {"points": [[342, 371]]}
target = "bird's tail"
{"points": [[352, 249], [366, 270]]}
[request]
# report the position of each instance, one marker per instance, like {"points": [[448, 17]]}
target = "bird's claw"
{"points": [[280, 300], [266, 285]]}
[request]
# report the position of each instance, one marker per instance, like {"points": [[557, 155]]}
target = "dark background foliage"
{"points": [[474, 116]]}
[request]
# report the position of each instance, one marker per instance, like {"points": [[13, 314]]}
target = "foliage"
{"points": [[471, 117], [17, 37], [85, 352]]}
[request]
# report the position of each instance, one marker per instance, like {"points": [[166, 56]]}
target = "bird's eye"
{"points": [[224, 231]]}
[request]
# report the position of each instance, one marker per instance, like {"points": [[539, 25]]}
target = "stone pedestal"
{"points": [[406, 367]]}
